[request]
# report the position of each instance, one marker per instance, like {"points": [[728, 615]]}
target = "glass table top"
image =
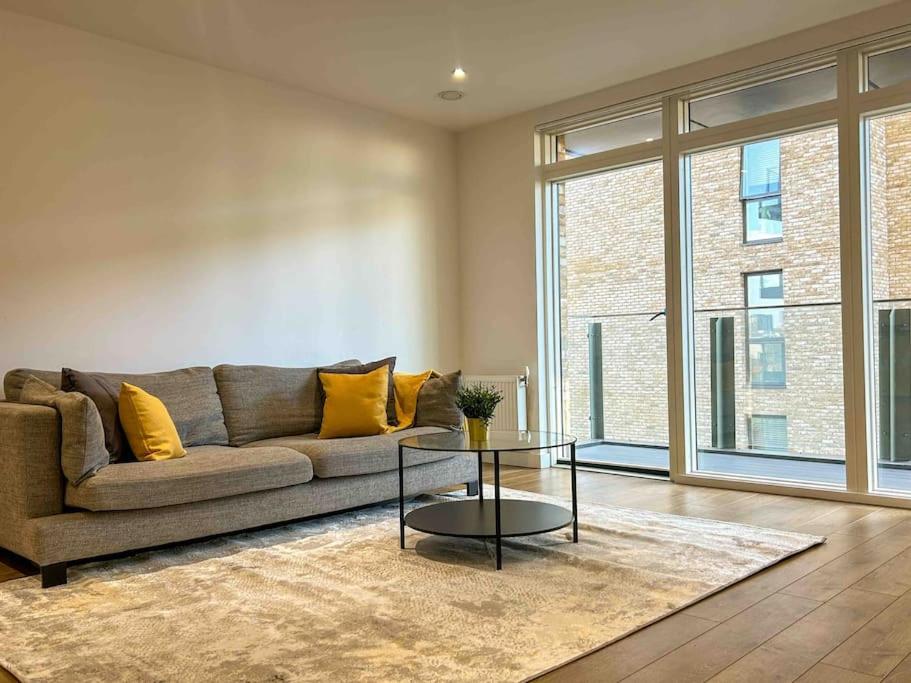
{"points": [[497, 441]]}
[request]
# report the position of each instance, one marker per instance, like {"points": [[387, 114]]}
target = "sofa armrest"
{"points": [[31, 482]]}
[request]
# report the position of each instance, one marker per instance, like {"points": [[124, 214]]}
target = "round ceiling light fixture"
{"points": [[450, 95]]}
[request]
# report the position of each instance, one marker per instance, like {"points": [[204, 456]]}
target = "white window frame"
{"points": [[848, 110]]}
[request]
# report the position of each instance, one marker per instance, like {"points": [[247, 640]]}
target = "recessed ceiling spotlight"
{"points": [[458, 74], [450, 95], [649, 139]]}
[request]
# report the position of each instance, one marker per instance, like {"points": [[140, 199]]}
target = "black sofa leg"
{"points": [[53, 575], [472, 487]]}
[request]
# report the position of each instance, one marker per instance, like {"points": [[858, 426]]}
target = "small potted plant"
{"points": [[478, 403]]}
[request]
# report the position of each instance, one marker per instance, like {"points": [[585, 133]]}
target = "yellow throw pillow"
{"points": [[355, 404], [148, 425], [407, 388]]}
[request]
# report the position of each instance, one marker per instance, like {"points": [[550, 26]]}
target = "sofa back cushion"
{"points": [[261, 401], [14, 379], [189, 394]]}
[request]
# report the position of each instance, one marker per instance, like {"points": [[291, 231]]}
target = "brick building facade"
{"points": [[612, 272]]}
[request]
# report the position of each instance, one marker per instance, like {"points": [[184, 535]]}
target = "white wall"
{"points": [[497, 185], [156, 213], [497, 237]]}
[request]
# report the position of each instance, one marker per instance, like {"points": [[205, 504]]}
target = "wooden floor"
{"points": [[839, 613]]}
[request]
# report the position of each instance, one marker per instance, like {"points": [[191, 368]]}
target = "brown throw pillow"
{"points": [[364, 369], [104, 394], [437, 401]]}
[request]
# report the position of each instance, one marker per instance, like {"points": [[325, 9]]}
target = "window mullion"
{"points": [[853, 281], [601, 161], [675, 265], [884, 98], [778, 123]]}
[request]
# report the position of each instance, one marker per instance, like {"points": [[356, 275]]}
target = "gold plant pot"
{"points": [[478, 429]]}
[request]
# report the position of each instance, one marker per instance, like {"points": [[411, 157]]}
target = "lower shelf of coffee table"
{"points": [[477, 518]]}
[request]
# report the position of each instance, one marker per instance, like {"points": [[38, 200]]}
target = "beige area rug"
{"points": [[336, 599]]}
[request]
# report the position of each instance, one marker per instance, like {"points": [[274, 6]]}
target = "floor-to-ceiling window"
{"points": [[612, 328], [888, 220], [727, 280], [767, 335]]}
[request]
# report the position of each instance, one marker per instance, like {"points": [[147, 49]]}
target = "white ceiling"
{"points": [[395, 55]]}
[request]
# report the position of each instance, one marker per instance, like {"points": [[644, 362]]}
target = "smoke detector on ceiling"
{"points": [[450, 95]]}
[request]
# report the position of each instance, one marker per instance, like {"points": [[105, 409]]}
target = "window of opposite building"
{"points": [[765, 328], [760, 191], [768, 432]]}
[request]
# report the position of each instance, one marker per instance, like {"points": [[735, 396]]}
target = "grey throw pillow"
{"points": [[82, 449], [437, 401]]}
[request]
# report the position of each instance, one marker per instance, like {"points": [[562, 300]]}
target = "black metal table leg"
{"points": [[480, 476], [401, 500], [471, 519], [496, 489], [572, 467]]}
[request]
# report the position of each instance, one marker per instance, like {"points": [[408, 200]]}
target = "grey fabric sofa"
{"points": [[257, 462]]}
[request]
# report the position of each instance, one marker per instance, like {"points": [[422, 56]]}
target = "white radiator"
{"points": [[512, 413]]}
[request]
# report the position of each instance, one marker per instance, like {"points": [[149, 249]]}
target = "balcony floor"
{"points": [[814, 471]]}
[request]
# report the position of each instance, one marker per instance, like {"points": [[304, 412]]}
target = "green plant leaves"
{"points": [[478, 401]]}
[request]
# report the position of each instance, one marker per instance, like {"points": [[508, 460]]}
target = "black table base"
{"points": [[485, 519], [478, 518]]}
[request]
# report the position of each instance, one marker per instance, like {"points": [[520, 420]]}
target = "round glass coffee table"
{"points": [[480, 518]]}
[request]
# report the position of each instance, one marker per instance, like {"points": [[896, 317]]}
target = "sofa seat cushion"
{"points": [[358, 455], [205, 473]]}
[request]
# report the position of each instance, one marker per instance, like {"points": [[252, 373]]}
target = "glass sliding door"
{"points": [[888, 233], [613, 349], [763, 227]]}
